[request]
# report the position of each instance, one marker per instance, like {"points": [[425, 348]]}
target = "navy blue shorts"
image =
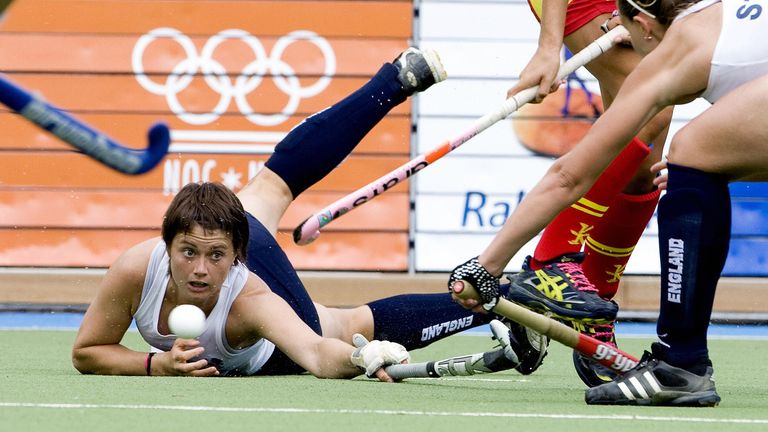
{"points": [[269, 262]]}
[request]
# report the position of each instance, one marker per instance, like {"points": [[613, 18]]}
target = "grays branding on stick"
{"points": [[497, 360], [309, 230], [601, 352], [84, 138]]}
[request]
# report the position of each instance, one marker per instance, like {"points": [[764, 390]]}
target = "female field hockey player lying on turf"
{"points": [[218, 252], [710, 49]]}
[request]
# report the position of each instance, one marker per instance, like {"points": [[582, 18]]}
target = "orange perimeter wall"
{"points": [[59, 208]]}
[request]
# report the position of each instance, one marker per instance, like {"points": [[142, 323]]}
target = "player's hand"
{"points": [[374, 355], [660, 169], [471, 303], [486, 284], [611, 23], [541, 72], [180, 360]]}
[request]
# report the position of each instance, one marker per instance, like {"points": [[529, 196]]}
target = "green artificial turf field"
{"points": [[42, 392]]}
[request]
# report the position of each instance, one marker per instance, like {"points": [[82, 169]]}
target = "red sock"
{"points": [[569, 230], [612, 242]]}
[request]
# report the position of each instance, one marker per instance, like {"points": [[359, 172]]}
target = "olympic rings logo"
{"points": [[217, 78]]}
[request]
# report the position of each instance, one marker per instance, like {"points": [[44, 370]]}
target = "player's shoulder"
{"points": [[251, 308], [132, 264], [254, 286], [254, 294]]}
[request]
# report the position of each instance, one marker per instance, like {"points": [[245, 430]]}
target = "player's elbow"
{"points": [[332, 367], [80, 361], [568, 184], [332, 370]]}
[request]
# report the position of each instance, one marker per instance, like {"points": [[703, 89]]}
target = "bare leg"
{"points": [[266, 197], [343, 323], [730, 137]]}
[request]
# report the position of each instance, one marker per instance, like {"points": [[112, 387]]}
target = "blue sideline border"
{"points": [[71, 321]]}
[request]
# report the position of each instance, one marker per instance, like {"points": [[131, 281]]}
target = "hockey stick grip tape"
{"points": [[412, 370]]}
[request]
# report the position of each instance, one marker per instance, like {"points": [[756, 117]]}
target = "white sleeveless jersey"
{"points": [[218, 352], [741, 53]]}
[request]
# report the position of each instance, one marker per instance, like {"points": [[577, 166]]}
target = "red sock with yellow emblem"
{"points": [[613, 240], [570, 229]]}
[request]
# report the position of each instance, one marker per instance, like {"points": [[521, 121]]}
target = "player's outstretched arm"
{"points": [[97, 348], [268, 316], [654, 84]]}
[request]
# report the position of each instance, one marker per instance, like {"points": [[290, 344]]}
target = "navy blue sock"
{"points": [[694, 235], [318, 144], [417, 320]]}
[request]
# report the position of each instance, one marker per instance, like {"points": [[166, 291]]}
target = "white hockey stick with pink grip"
{"points": [[309, 230]]}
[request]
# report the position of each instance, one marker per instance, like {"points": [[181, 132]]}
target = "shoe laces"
{"points": [[604, 333], [646, 359], [579, 280]]}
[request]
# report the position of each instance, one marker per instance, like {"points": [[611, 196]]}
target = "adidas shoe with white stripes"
{"points": [[655, 382]]}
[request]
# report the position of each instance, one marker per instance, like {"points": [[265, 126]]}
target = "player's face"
{"points": [[200, 262]]}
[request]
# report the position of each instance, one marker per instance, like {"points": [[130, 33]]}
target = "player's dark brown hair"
{"points": [[664, 10], [211, 206]]}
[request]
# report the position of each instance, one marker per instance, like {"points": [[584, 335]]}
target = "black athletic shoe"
{"points": [[523, 349], [655, 382], [560, 288], [419, 69], [530, 346], [591, 372]]}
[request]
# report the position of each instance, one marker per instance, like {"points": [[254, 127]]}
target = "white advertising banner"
{"points": [[463, 199]]}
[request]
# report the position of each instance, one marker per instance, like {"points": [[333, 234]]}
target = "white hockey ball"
{"points": [[186, 321]]}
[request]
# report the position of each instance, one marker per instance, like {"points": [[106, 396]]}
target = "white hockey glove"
{"points": [[372, 356]]}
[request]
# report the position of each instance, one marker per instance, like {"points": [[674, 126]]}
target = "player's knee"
{"points": [[681, 146], [266, 198], [642, 182], [267, 188], [342, 323], [357, 320]]}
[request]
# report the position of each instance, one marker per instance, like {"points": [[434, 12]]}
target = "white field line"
{"points": [[466, 378], [278, 410]]}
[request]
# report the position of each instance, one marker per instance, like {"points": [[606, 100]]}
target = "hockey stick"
{"points": [[482, 363], [607, 355], [309, 230], [86, 139], [497, 360]]}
